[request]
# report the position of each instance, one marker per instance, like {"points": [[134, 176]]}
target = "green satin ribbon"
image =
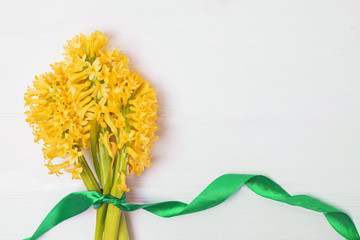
{"points": [[217, 192]]}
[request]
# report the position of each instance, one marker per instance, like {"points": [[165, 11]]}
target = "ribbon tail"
{"points": [[339, 220], [70, 206], [226, 185]]}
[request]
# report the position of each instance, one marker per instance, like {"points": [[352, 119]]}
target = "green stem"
{"points": [[105, 173], [105, 165], [94, 139], [87, 176], [92, 185], [123, 231], [113, 214], [100, 220]]}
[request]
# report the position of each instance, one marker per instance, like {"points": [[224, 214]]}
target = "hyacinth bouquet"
{"points": [[93, 100]]}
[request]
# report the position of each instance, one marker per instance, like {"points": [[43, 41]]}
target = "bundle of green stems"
{"points": [[110, 220]]}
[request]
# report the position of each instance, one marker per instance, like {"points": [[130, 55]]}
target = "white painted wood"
{"points": [[264, 87]]}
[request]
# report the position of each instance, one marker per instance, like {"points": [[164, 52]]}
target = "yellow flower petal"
{"points": [[56, 168], [105, 139], [76, 170], [122, 186]]}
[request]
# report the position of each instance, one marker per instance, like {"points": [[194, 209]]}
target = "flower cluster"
{"points": [[92, 84]]}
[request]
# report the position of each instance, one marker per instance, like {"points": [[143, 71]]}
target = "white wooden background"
{"points": [[263, 87]]}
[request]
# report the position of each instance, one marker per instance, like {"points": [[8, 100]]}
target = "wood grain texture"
{"points": [[262, 87]]}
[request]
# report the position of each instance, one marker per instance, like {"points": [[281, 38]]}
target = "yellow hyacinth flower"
{"points": [[54, 118], [92, 84]]}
